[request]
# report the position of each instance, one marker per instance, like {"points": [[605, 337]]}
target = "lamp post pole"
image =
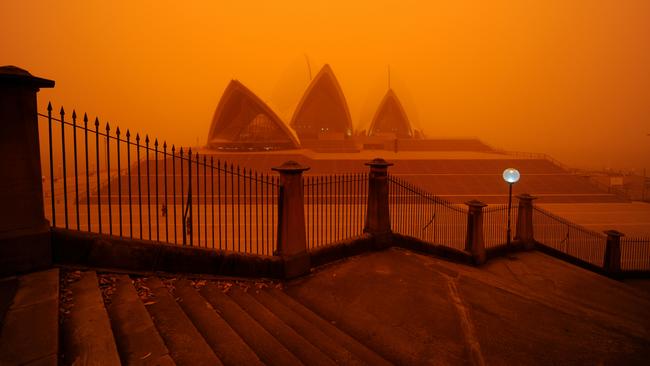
{"points": [[511, 176], [509, 209]]}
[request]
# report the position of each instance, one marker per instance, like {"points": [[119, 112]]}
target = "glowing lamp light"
{"points": [[511, 175]]}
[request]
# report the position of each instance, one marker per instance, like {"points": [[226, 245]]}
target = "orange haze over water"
{"points": [[569, 78]]}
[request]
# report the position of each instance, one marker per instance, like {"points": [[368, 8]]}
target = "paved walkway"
{"points": [[525, 309]]}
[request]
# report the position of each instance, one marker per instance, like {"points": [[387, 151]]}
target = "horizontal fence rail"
{"points": [[335, 207], [569, 238], [495, 225], [106, 182], [422, 215], [635, 254]]}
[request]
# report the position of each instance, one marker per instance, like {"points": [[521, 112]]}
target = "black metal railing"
{"points": [[137, 188], [635, 254], [422, 215], [495, 225], [335, 207], [569, 238]]}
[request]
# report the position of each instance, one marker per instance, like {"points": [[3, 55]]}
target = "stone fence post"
{"points": [[24, 231], [474, 239], [524, 233], [378, 212], [292, 242], [612, 262]]}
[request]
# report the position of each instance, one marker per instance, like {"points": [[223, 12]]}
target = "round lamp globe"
{"points": [[511, 175]]}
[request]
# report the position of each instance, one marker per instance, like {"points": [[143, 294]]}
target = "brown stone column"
{"points": [[24, 231], [474, 239], [378, 212], [612, 262], [524, 234], [292, 242]]}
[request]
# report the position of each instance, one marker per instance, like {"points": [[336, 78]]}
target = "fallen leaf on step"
{"points": [[149, 303], [145, 356]]}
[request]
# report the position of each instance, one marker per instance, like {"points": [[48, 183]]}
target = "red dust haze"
{"points": [[569, 78]]}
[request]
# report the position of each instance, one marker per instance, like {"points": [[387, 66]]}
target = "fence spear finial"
{"points": [[62, 112], [108, 128], [74, 115], [128, 133], [117, 131], [164, 144], [85, 119], [146, 139], [97, 122], [137, 137], [49, 106], [155, 143]]}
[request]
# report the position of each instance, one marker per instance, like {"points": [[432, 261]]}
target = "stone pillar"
{"points": [[474, 239], [292, 242], [612, 262], [24, 231], [378, 212], [524, 234]]}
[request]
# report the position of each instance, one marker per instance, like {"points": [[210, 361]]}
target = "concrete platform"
{"points": [[528, 308]]}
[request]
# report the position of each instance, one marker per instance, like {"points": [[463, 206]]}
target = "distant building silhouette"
{"points": [[391, 119], [323, 111], [243, 121]]}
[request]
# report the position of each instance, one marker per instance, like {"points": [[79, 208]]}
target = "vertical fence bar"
{"points": [[165, 201], [49, 129], [108, 179], [205, 201], [119, 179], [65, 175], [232, 204], [76, 169], [146, 150], [250, 209], [188, 205], [130, 183], [137, 151], [257, 214], [198, 200], [99, 203], [155, 177], [267, 185], [244, 209], [219, 200], [212, 201], [174, 192], [183, 225], [87, 171]]}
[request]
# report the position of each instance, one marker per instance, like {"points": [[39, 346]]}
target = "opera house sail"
{"points": [[323, 112], [391, 119], [244, 122]]}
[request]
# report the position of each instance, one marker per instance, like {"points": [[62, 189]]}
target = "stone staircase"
{"points": [[85, 318]]}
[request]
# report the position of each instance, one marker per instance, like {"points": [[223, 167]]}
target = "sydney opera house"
{"points": [[321, 121]]}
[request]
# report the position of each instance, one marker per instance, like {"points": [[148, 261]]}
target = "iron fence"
{"points": [[495, 225], [422, 215], [335, 207], [128, 186], [569, 238], [635, 254]]}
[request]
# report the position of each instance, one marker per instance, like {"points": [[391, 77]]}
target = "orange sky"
{"points": [[569, 78]]}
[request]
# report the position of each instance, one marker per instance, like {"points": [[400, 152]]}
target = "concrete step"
{"points": [[315, 336], [342, 338], [87, 335], [183, 340], [294, 342], [268, 349], [29, 334], [223, 340], [136, 337]]}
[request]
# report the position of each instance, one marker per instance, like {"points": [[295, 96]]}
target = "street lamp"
{"points": [[511, 176]]}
